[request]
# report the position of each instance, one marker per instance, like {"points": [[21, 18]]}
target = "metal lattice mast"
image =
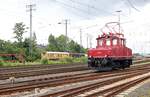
{"points": [[30, 10]]}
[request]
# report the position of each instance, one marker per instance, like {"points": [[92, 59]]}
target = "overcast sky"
{"points": [[89, 15]]}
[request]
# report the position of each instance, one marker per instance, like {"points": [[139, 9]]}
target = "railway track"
{"points": [[87, 89], [40, 71], [35, 70], [141, 60], [57, 81], [64, 79], [34, 67], [104, 88]]}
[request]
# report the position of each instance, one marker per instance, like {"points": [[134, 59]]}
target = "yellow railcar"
{"points": [[54, 55]]}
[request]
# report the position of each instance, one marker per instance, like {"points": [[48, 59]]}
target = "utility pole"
{"points": [[80, 37], [119, 11], [90, 42], [66, 22], [87, 39], [66, 26], [30, 10]]}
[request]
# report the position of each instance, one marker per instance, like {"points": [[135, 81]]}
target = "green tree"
{"points": [[2, 42], [52, 44], [75, 47], [35, 51], [19, 30], [8, 47], [36, 54], [71, 46], [62, 42]]}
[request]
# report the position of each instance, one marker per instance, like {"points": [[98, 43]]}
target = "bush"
{"points": [[44, 61], [80, 60], [84, 59], [28, 58], [67, 60], [1, 62]]}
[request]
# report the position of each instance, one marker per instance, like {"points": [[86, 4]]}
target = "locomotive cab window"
{"points": [[100, 42], [114, 41], [122, 42], [108, 42]]}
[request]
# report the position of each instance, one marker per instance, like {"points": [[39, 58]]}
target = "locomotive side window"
{"points": [[122, 42], [108, 42], [114, 41]]}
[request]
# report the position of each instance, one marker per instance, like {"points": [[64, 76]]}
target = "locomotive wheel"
{"points": [[123, 66], [113, 65], [117, 65]]}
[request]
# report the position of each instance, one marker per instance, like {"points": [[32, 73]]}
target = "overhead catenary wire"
{"points": [[131, 4], [76, 8], [92, 7], [73, 11], [11, 13]]}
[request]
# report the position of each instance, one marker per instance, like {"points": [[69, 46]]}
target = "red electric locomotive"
{"points": [[111, 51]]}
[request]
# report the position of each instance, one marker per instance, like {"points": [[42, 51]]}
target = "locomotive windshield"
{"points": [[100, 42], [114, 41], [111, 42], [108, 42]]}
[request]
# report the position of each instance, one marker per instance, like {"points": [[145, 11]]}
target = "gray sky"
{"points": [[90, 15]]}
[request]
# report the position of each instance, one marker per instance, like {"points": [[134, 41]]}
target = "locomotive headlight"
{"points": [[106, 55]]}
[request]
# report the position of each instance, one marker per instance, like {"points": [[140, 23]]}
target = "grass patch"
{"points": [[1, 62], [67, 60], [81, 60], [44, 61], [9, 64]]}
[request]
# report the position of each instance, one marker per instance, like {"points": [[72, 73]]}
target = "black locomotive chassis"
{"points": [[109, 62]]}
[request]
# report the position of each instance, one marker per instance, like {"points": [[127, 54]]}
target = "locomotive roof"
{"points": [[112, 35]]}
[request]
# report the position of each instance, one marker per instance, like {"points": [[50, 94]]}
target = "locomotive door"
{"points": [[121, 47]]}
